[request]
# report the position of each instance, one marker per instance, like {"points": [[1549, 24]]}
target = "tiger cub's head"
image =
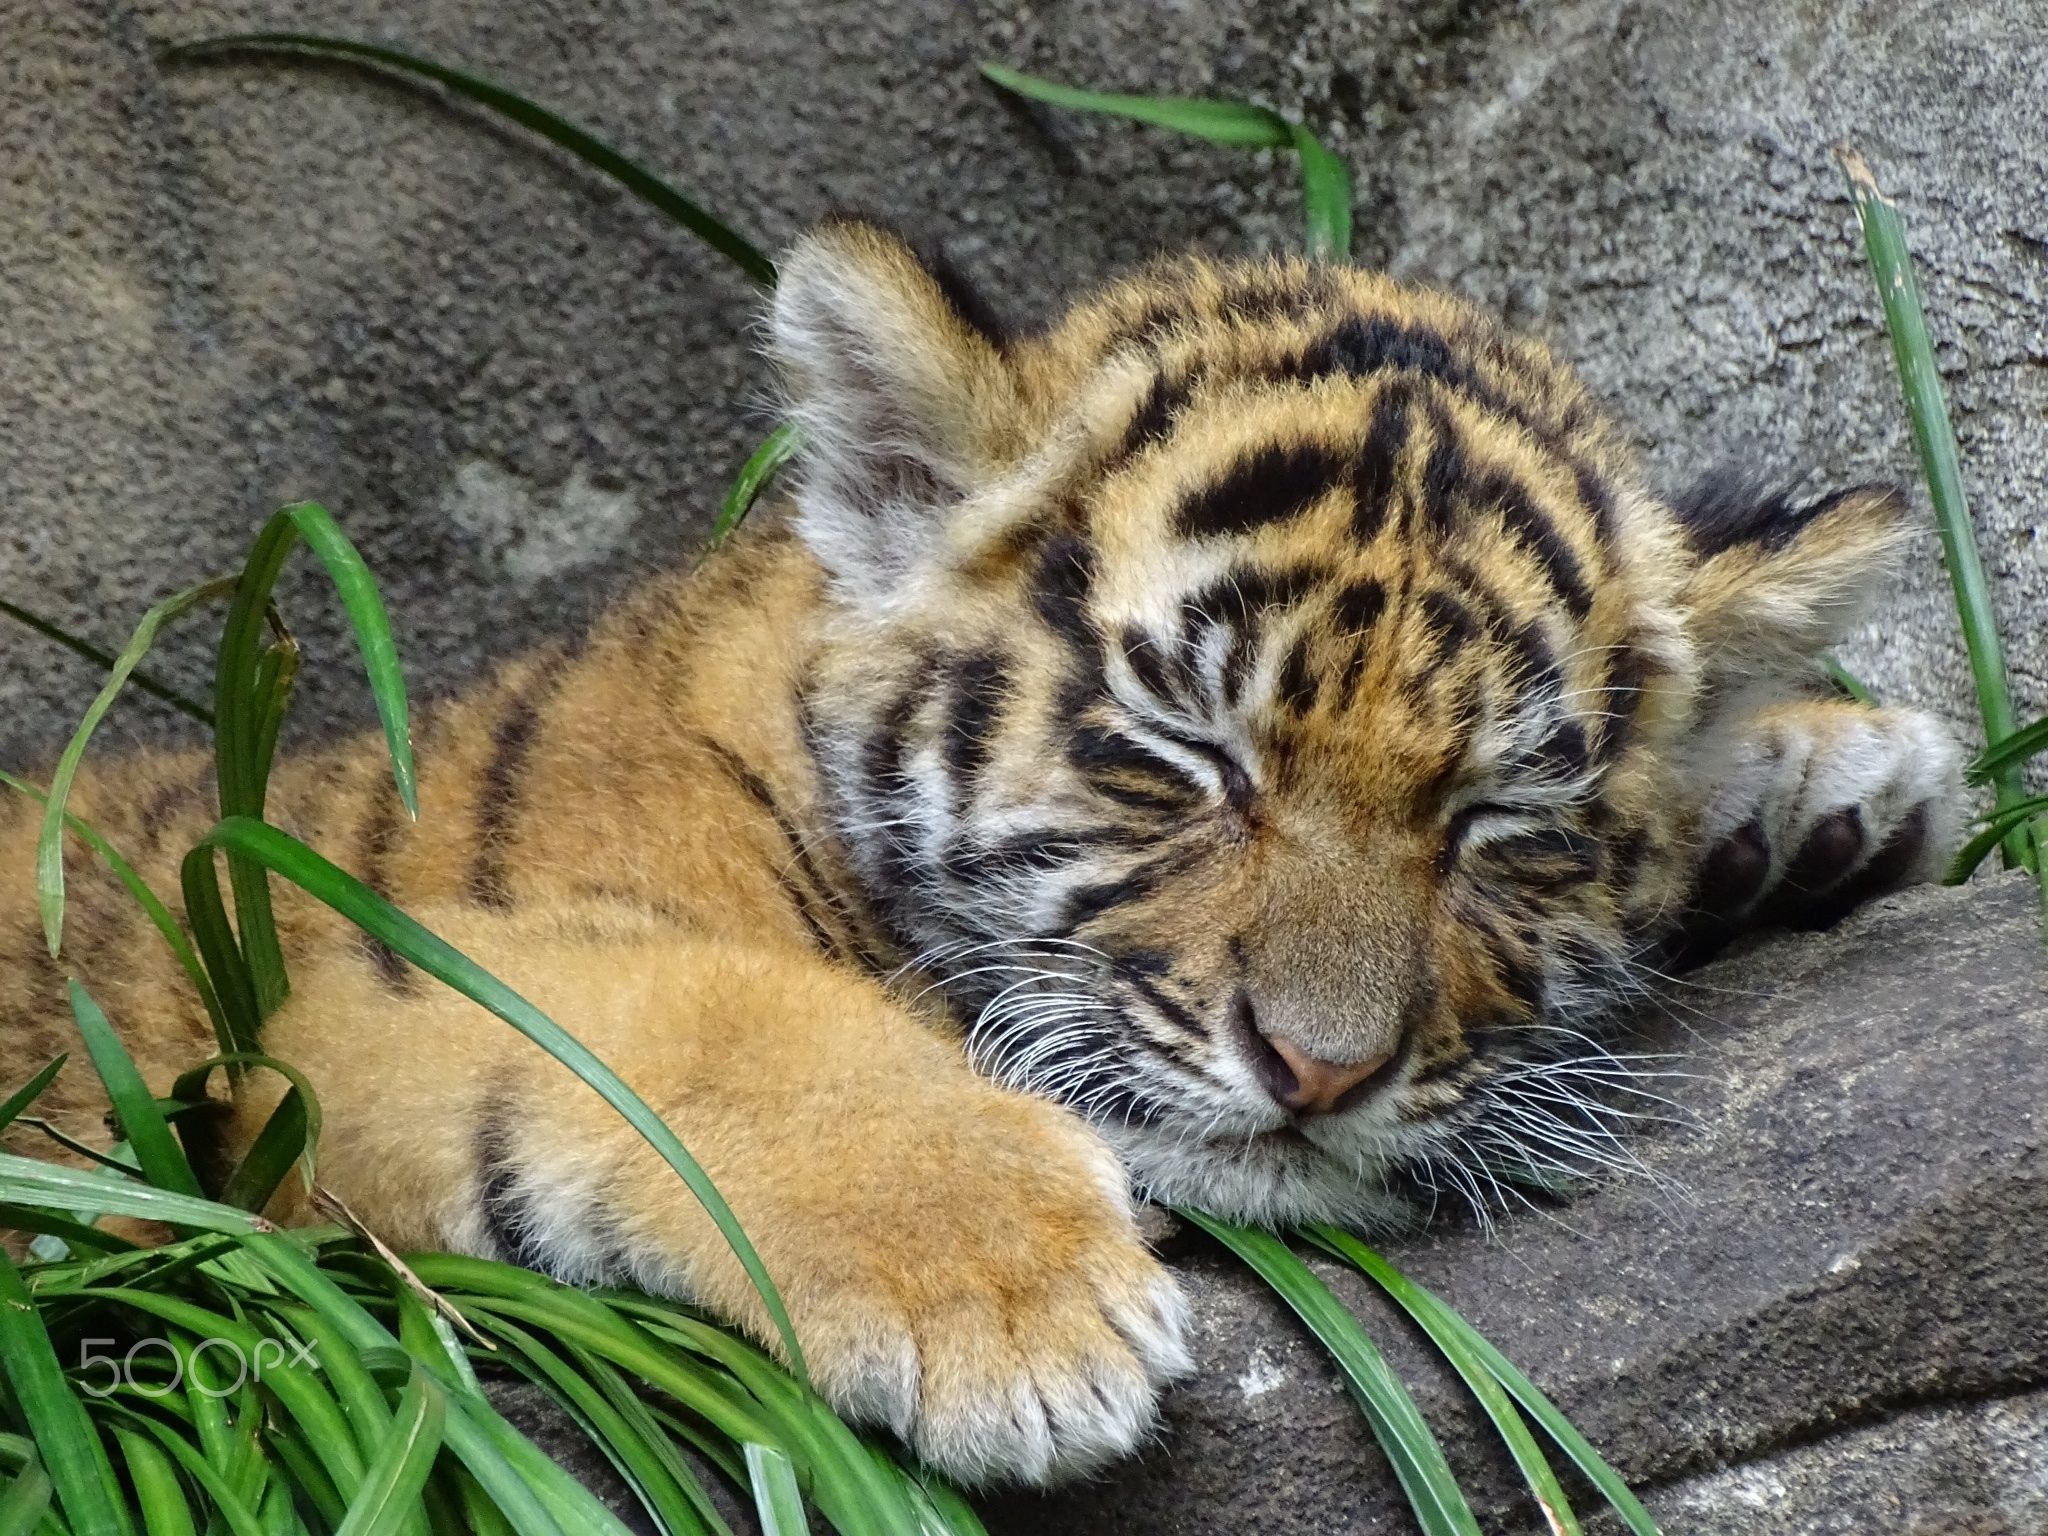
{"points": [[1262, 702]]}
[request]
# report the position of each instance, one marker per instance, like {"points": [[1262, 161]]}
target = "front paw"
{"points": [[1000, 1312], [1819, 807]]}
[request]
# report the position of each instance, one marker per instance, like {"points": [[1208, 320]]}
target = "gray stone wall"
{"points": [[233, 284]]}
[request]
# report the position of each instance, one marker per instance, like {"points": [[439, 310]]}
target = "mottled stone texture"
{"points": [[230, 284]]}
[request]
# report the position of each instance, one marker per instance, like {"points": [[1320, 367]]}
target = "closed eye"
{"points": [[1483, 818], [1232, 779]]}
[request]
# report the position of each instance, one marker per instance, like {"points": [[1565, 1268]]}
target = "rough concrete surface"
{"points": [[1824, 1317], [230, 284]]}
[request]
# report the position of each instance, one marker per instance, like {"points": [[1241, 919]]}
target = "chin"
{"points": [[1268, 1179]]}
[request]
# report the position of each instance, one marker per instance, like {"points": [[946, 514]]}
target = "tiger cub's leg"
{"points": [[1811, 806], [960, 1261]]}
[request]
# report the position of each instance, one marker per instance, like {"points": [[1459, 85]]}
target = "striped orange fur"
{"points": [[1236, 744]]}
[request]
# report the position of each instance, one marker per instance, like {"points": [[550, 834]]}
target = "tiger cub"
{"points": [[1229, 745]]}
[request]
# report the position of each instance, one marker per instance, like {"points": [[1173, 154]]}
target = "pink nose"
{"points": [[1308, 1085]]}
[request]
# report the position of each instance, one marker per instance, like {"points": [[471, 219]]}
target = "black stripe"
{"points": [[1444, 472], [380, 840], [1165, 676], [1598, 499], [1299, 688], [1174, 1013], [884, 776], [1536, 665], [1537, 534], [1149, 325], [981, 685], [1373, 470], [1239, 601], [970, 306], [1060, 586], [498, 1195], [812, 891], [1559, 850], [1629, 671], [1097, 749], [1363, 345], [973, 862], [1270, 485], [1521, 973], [1562, 754], [500, 791], [1729, 506], [161, 809], [1358, 607], [1448, 624], [1152, 422], [1091, 901], [1356, 610]]}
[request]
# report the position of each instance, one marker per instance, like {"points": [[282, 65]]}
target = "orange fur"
{"points": [[756, 839]]}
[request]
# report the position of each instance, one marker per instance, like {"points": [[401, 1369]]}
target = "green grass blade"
{"points": [[574, 1509], [67, 1445], [76, 1234], [1325, 179], [234, 1511], [160, 916], [30, 1091], [854, 1493], [251, 683], [240, 709], [355, 901], [1221, 122], [1847, 682], [159, 1495], [2029, 741], [284, 1141], [306, 1394], [50, 844], [32, 1182], [592, 151], [240, 1020], [946, 1512], [364, 605], [585, 1393], [104, 659], [1997, 826], [264, 1166], [487, 1290], [1483, 1384], [1418, 1461], [26, 1501], [142, 1123], [1326, 197], [277, 669], [389, 1500], [1539, 1407], [776, 450], [777, 1500], [1891, 263]]}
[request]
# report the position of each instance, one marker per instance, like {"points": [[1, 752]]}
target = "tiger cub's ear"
{"points": [[900, 392], [1780, 580]]}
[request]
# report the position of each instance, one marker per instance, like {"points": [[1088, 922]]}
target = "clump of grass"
{"points": [[2018, 822]]}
